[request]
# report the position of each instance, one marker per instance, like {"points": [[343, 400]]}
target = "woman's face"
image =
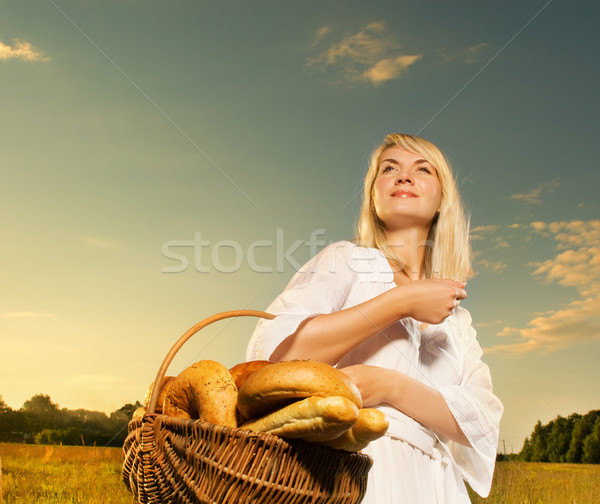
{"points": [[407, 190]]}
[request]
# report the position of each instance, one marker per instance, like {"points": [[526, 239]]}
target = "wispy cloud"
{"points": [[481, 232], [534, 196], [492, 266], [21, 50], [321, 33], [489, 234], [576, 265], [470, 54], [373, 55]]}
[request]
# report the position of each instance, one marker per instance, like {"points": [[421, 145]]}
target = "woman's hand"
{"points": [[372, 381], [431, 300], [421, 402]]}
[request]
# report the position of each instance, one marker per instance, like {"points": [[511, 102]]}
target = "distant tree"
{"points": [[41, 421], [120, 419], [591, 445], [124, 413], [526, 452], [539, 442], [68, 436], [559, 438], [40, 413], [7, 421], [582, 429]]}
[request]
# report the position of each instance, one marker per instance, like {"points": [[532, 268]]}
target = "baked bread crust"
{"points": [[370, 425], [312, 419], [167, 380], [206, 391], [241, 371], [282, 383]]}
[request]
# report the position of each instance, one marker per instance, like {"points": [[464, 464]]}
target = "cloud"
{"points": [[470, 54], [484, 229], [575, 265], [478, 232], [370, 55], [534, 196], [481, 233], [493, 266], [21, 51], [388, 69], [321, 33]]}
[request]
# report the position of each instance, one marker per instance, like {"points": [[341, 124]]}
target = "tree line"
{"points": [[42, 421], [575, 439]]}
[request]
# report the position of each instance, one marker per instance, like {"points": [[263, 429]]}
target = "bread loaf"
{"points": [[166, 382], [311, 419], [282, 383], [206, 391], [241, 371], [370, 425], [138, 413]]}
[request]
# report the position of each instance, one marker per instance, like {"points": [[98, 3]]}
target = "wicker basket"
{"points": [[171, 460]]}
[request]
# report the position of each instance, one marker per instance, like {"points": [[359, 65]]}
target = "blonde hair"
{"points": [[447, 252]]}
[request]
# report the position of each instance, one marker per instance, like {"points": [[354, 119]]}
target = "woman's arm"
{"points": [[330, 336], [414, 398]]}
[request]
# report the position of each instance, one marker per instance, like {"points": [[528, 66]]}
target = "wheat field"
{"points": [[41, 474]]}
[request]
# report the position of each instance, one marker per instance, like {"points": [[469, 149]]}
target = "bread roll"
{"points": [[138, 413], [206, 391], [312, 419], [282, 383], [166, 382], [242, 370], [370, 425]]}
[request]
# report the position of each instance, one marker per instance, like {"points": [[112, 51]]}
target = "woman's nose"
{"points": [[403, 177]]}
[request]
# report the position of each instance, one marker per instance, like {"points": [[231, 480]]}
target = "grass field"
{"points": [[38, 474], [41, 474], [537, 483]]}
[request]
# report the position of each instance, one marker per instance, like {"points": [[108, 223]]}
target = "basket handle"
{"points": [[186, 336]]}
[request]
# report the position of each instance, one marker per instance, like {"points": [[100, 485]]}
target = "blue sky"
{"points": [[140, 137]]}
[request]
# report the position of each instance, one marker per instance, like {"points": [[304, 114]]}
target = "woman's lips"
{"points": [[403, 194]]}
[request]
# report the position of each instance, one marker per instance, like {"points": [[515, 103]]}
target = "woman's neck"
{"points": [[408, 245]]}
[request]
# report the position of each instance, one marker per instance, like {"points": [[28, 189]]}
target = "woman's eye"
{"points": [[387, 168], [425, 169]]}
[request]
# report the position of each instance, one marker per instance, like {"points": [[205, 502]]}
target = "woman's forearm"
{"points": [[328, 337], [426, 405], [415, 399]]}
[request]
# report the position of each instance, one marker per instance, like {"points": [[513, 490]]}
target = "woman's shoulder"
{"points": [[364, 263]]}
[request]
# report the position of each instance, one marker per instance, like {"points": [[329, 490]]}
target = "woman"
{"points": [[386, 311]]}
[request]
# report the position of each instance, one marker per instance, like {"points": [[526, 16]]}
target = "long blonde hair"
{"points": [[447, 252]]}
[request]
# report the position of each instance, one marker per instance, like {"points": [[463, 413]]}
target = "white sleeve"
{"points": [[478, 412], [320, 286]]}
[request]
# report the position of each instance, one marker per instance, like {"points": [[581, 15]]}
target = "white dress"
{"points": [[411, 463]]}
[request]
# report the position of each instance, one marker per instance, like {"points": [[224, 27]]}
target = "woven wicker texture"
{"points": [[171, 460], [176, 461]]}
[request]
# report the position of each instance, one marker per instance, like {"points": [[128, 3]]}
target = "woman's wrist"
{"points": [[401, 301]]}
